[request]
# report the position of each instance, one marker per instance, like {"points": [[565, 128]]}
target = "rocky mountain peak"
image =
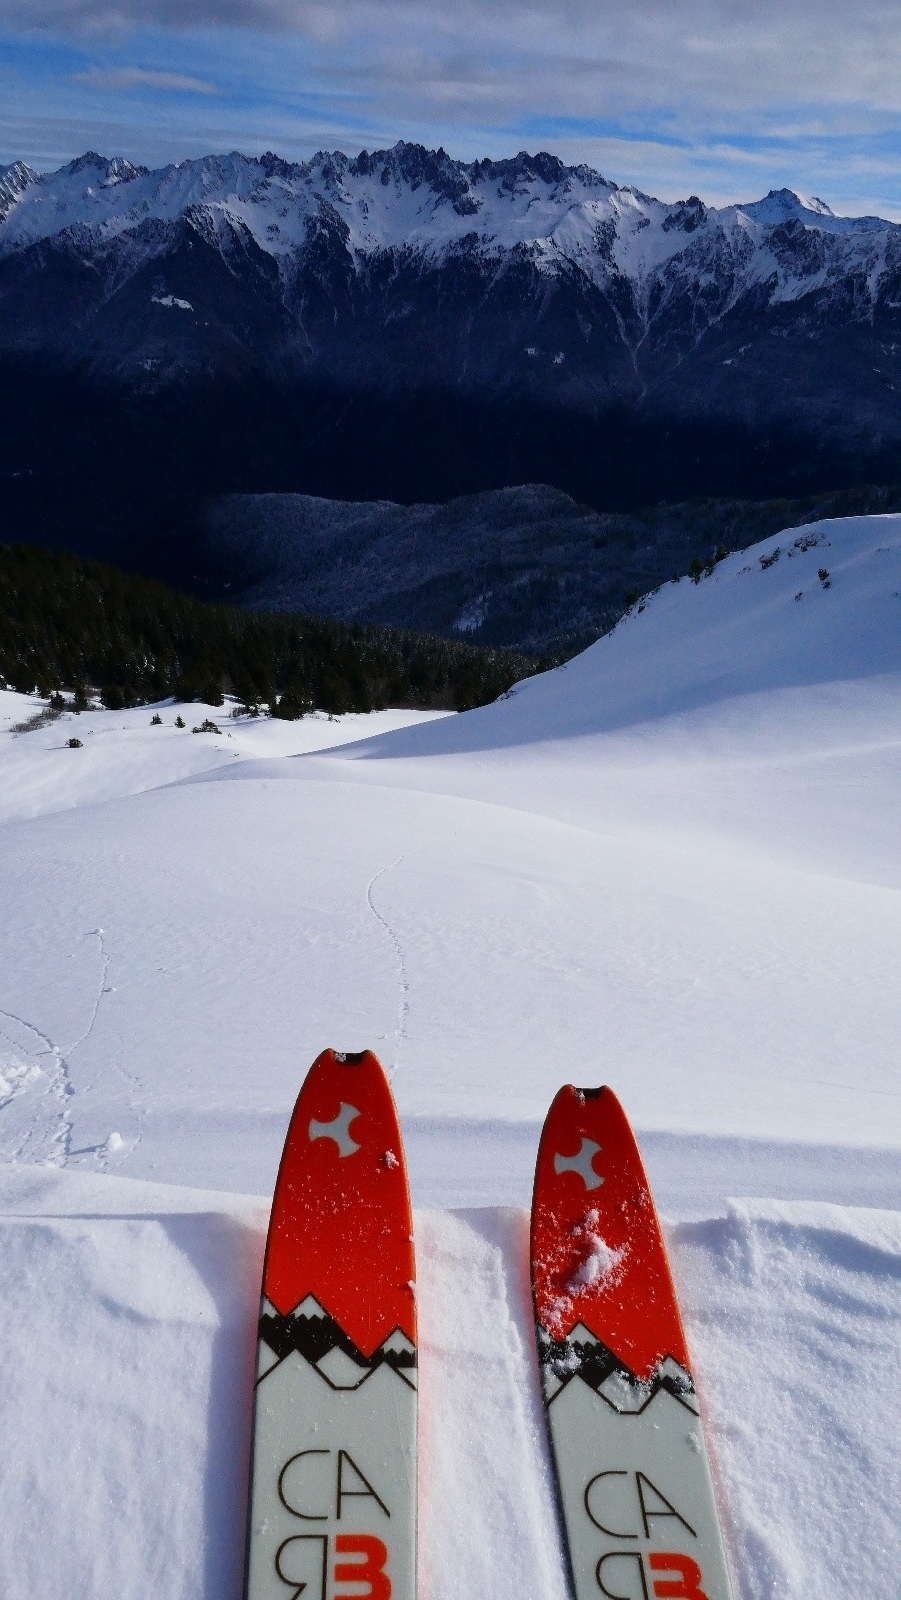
{"points": [[687, 215], [780, 205], [14, 181]]}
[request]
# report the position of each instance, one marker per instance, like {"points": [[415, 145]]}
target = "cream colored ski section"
{"points": [[635, 1489], [332, 1465]]}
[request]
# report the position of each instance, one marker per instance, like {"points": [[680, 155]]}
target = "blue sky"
{"points": [[724, 98]]}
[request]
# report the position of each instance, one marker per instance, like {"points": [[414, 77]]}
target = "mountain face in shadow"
{"points": [[527, 566], [402, 326]]}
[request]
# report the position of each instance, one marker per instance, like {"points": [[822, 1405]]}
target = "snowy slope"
{"points": [[761, 620], [673, 866], [124, 752]]}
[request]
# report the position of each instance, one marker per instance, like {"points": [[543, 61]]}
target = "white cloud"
{"points": [[577, 57], [118, 80]]}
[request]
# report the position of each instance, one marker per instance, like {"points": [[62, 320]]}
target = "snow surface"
{"points": [[673, 866]]}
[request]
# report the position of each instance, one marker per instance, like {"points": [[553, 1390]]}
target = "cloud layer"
{"points": [[118, 80]]}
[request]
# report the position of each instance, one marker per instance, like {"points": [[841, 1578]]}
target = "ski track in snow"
{"points": [[35, 1143], [403, 1010], [50, 1147], [105, 958], [103, 1151]]}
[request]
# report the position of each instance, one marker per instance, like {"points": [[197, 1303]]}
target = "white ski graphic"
{"points": [[637, 1498], [337, 1130], [582, 1164]]}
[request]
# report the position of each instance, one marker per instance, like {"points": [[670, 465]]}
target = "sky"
{"points": [[723, 98]]}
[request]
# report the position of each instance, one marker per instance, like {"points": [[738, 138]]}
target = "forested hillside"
{"points": [[72, 624]]}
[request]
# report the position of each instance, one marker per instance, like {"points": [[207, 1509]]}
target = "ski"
{"points": [[633, 1479], [332, 1502]]}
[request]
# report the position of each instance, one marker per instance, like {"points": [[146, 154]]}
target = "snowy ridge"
{"points": [[811, 606], [424, 204], [14, 181], [406, 276]]}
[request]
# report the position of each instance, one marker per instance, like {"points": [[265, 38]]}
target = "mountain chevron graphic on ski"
{"points": [[634, 1483], [332, 1507]]}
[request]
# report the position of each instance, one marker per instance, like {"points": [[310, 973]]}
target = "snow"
{"points": [[131, 1337], [672, 865], [599, 1261], [123, 753]]}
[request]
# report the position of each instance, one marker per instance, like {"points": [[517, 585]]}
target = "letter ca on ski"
{"points": [[635, 1574], [318, 1486]]}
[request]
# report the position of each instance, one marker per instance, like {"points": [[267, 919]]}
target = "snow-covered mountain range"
{"points": [[417, 205], [336, 232], [405, 266], [413, 200], [400, 325]]}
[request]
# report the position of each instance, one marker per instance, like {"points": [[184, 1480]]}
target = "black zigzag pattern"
{"points": [[594, 1363], [313, 1336]]}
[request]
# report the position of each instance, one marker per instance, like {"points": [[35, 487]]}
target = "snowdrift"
{"points": [[129, 1321]]}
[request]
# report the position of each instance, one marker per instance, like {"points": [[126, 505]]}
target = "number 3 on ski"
{"points": [[634, 1484], [332, 1511]]}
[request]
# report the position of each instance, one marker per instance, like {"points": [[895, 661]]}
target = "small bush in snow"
{"points": [[179, 722], [156, 720], [719, 555], [206, 726], [75, 744], [823, 575]]}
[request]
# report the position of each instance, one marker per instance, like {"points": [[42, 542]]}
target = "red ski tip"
{"points": [[341, 1227], [598, 1257]]}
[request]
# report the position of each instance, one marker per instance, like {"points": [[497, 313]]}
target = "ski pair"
{"points": [[332, 1509]]}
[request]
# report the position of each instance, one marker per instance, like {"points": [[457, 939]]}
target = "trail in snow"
{"points": [[105, 958], [114, 1145], [400, 1032], [33, 1127], [31, 1080]]}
